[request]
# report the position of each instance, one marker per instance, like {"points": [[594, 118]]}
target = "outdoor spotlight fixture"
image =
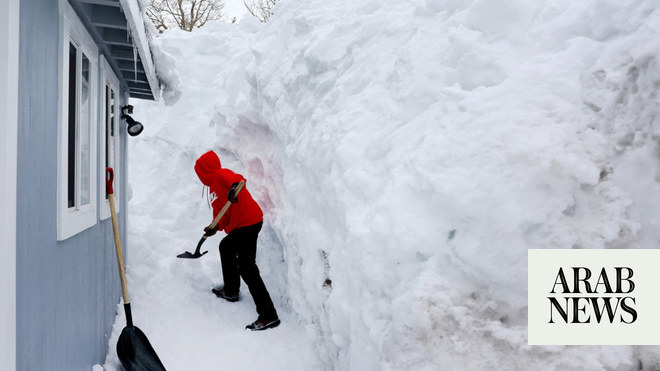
{"points": [[134, 127]]}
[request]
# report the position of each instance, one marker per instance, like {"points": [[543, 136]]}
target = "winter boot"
{"points": [[263, 324], [220, 292]]}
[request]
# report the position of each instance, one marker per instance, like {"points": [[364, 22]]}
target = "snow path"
{"points": [[188, 326]]}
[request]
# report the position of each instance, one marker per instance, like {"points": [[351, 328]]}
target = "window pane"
{"points": [[112, 111], [71, 150], [111, 134], [107, 124], [84, 138]]}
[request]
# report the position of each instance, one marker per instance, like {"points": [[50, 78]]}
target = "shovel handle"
{"points": [[222, 212], [109, 176]]}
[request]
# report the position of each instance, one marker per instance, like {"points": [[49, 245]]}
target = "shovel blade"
{"points": [[135, 352], [189, 255]]}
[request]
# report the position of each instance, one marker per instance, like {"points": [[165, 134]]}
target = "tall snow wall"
{"points": [[408, 154]]}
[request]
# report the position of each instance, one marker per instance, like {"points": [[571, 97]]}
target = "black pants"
{"points": [[238, 251]]}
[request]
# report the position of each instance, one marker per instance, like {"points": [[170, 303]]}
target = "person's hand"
{"points": [[208, 231], [231, 196]]}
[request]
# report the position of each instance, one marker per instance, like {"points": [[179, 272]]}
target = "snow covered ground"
{"points": [[407, 154]]}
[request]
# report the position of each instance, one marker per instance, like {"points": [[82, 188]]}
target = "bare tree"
{"points": [[184, 14], [262, 9]]}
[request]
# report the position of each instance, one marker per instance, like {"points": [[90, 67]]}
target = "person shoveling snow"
{"points": [[242, 222]]}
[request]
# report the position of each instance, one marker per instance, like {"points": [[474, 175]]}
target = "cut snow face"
{"points": [[406, 155]]}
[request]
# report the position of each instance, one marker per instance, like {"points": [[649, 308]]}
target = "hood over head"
{"points": [[206, 166]]}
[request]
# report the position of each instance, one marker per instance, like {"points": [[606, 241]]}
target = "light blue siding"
{"points": [[67, 291]]}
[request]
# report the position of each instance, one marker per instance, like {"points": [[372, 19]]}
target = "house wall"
{"points": [[9, 17], [67, 291]]}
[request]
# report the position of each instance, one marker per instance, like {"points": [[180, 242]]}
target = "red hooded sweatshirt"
{"points": [[245, 212]]}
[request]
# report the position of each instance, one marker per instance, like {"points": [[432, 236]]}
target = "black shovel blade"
{"points": [[196, 254], [188, 255], [135, 352]]}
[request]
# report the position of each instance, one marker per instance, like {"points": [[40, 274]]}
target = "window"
{"points": [[109, 135], [77, 181]]}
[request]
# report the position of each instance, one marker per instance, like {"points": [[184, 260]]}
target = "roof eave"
{"points": [[138, 32]]}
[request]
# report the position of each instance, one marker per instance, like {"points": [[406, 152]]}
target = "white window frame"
{"points": [[110, 79], [71, 221]]}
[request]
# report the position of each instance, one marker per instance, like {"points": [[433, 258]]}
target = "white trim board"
{"points": [[9, 42]]}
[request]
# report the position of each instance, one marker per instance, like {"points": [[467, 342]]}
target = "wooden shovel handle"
{"points": [[109, 176], [222, 212]]}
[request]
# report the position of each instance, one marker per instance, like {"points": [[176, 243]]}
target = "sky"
{"points": [[235, 8]]}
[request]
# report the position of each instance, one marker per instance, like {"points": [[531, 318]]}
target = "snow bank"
{"points": [[407, 154]]}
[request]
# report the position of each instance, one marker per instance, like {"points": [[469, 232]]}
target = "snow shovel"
{"points": [[197, 254], [133, 348]]}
